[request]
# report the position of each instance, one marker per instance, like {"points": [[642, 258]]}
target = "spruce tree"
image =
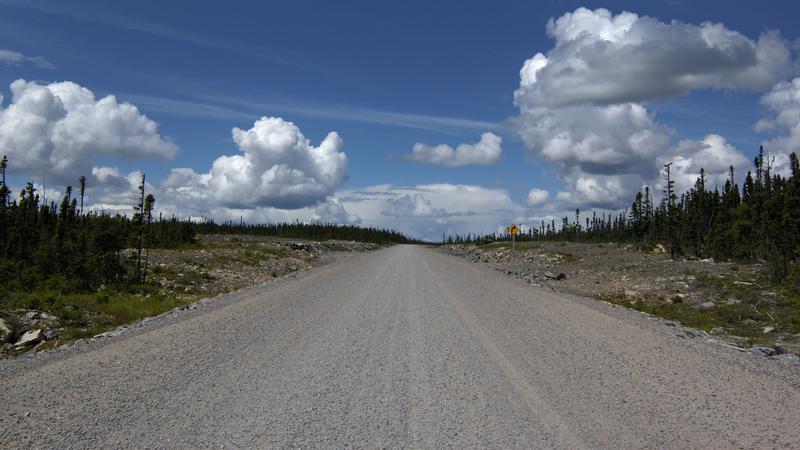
{"points": [[671, 211], [139, 221], [82, 186], [149, 202]]}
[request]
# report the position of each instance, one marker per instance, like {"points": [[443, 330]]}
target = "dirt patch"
{"points": [[727, 299]]}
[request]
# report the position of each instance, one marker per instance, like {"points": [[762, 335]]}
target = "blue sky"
{"points": [[383, 76]]}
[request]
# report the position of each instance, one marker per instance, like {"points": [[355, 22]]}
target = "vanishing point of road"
{"points": [[402, 347]]}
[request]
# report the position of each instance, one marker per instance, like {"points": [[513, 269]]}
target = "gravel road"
{"points": [[403, 347]]}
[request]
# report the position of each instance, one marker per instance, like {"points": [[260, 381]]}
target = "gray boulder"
{"points": [[29, 338], [763, 351], [29, 319], [555, 275], [659, 249], [51, 334], [5, 331]]}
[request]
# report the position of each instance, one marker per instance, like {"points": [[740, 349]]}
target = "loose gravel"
{"points": [[402, 347]]}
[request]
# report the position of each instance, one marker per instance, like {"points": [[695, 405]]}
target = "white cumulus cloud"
{"points": [[416, 206], [278, 168], [582, 103], [588, 191], [333, 211], [62, 126], [111, 190], [537, 197], [784, 102], [713, 154], [598, 139], [603, 59], [485, 152]]}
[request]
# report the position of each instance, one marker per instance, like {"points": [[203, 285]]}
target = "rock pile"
{"points": [[24, 328], [532, 266]]}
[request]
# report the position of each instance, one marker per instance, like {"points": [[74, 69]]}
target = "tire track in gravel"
{"points": [[533, 398]]}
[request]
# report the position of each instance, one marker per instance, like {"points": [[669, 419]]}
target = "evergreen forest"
{"points": [[755, 221]]}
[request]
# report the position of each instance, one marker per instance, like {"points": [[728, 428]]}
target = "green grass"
{"points": [[104, 308], [86, 315], [83, 315]]}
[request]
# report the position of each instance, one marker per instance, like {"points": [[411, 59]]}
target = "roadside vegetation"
{"points": [[72, 273], [753, 311]]}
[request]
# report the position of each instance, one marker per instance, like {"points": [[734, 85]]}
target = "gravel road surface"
{"points": [[403, 347]]}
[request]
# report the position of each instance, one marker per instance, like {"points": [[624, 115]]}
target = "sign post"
{"points": [[513, 230]]}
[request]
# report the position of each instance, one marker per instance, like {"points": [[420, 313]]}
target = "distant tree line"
{"points": [[757, 221], [317, 231], [66, 249]]}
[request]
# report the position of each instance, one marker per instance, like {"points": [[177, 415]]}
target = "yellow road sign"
{"points": [[513, 229]]}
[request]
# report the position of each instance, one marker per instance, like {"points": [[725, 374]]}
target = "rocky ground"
{"points": [[216, 264], [730, 300], [224, 263]]}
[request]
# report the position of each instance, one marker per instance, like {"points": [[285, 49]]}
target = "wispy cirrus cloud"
{"points": [[188, 108], [227, 108], [70, 11], [13, 58]]}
